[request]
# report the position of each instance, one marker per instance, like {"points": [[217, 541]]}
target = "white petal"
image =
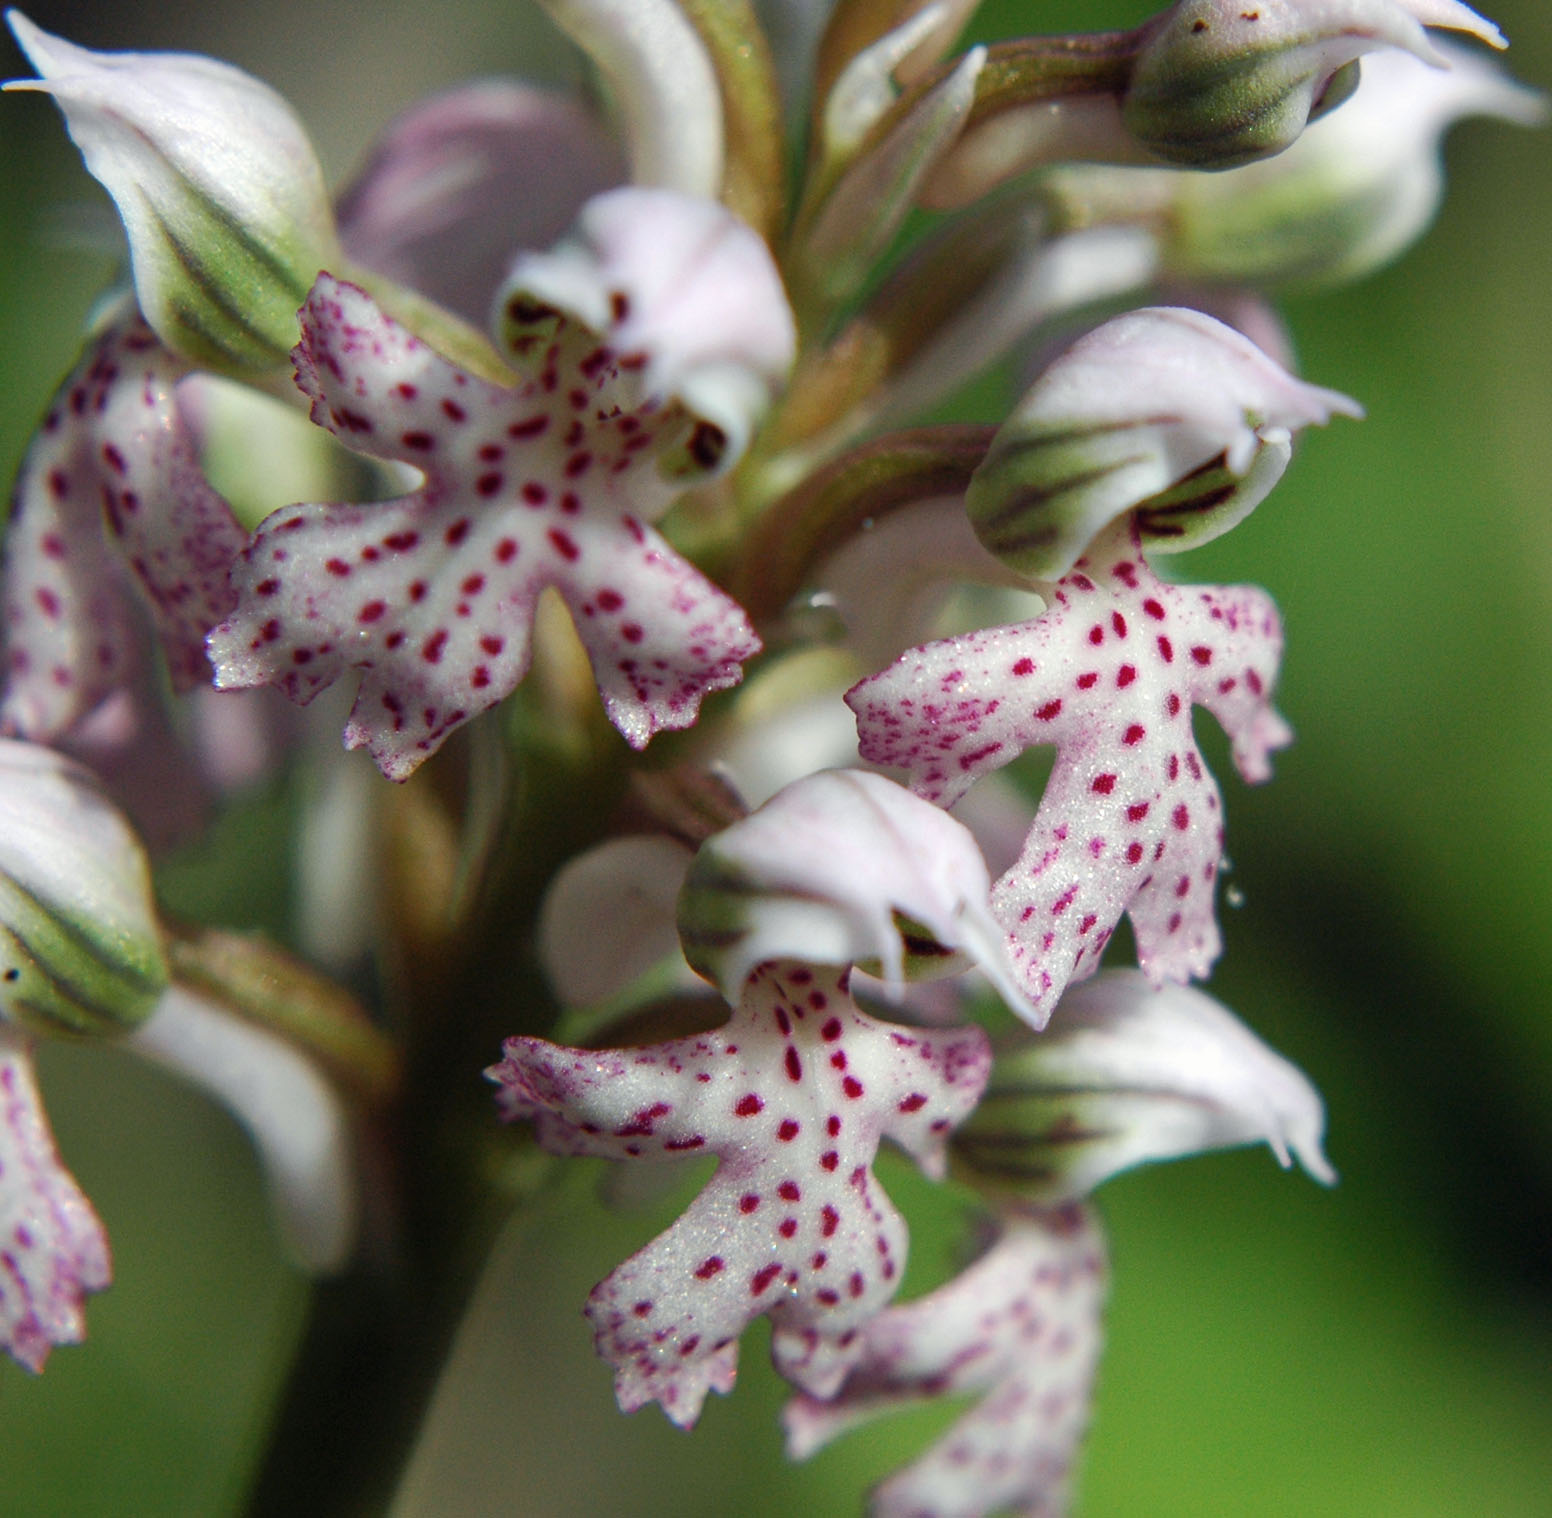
{"points": [[294, 1115]]}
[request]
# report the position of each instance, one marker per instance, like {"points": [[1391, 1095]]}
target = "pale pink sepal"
{"points": [[793, 1095], [1021, 1326], [460, 182], [432, 595], [53, 1247], [1131, 819], [1129, 1074], [111, 508]]}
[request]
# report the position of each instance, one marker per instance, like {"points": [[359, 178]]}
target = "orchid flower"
{"points": [[550, 482], [793, 1095]]}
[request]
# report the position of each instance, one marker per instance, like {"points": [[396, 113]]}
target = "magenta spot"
{"points": [[1181, 817], [632, 632], [1118, 622], [794, 1064], [489, 484], [1134, 735], [1202, 654], [1102, 785], [337, 567], [1125, 675], [479, 678], [1172, 704], [788, 1191], [371, 611], [1050, 710], [748, 1202], [417, 590], [1253, 680], [401, 542], [407, 391], [534, 493], [1096, 634], [1024, 667], [1166, 650], [708, 1267], [420, 442], [1088, 681], [789, 1226], [456, 533], [506, 551], [1137, 811], [914, 1102], [564, 545], [829, 1221], [492, 645], [829, 1160], [431, 649], [453, 411], [1134, 853], [642, 1309], [852, 1087], [1153, 609], [748, 1105], [832, 1125], [530, 427], [763, 1277], [610, 600], [789, 1130], [48, 602]]}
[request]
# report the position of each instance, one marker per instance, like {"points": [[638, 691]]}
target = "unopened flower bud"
{"points": [[1220, 82], [216, 183], [80, 951], [1165, 412]]}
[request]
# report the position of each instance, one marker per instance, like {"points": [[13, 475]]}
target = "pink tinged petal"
{"points": [[1164, 411], [793, 1095], [1131, 820], [1021, 1326], [432, 595], [111, 507], [1130, 1075], [53, 1248], [682, 288], [461, 180], [842, 867]]}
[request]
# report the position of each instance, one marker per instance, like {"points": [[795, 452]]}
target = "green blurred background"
{"points": [[1274, 1349]]}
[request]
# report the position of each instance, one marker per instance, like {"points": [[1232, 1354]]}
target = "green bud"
{"points": [[80, 950], [1220, 82]]}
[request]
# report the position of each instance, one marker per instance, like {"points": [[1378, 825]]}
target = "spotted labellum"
{"points": [[1131, 820]]}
